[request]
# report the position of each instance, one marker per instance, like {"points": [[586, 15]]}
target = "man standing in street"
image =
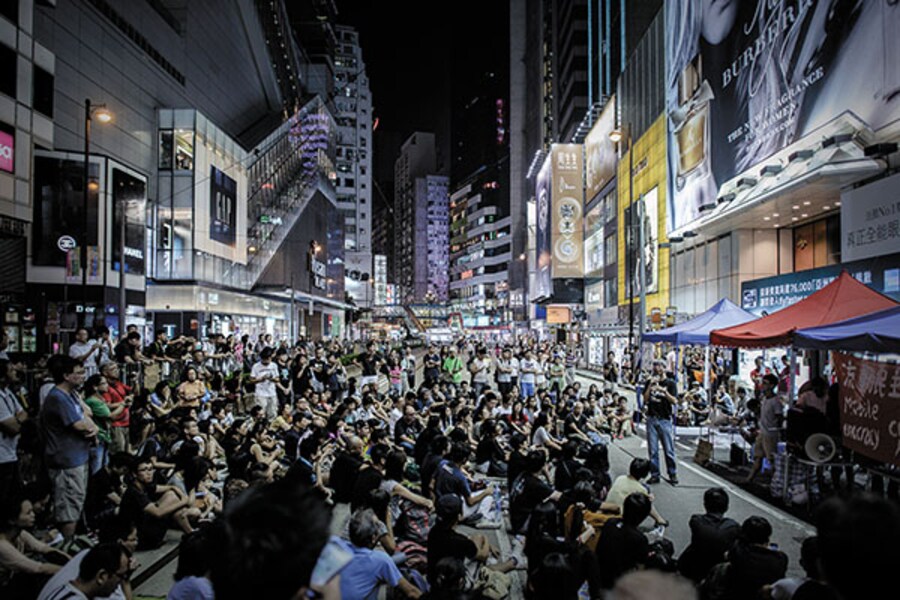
{"points": [[453, 367], [85, 351], [660, 396], [432, 371], [264, 375], [771, 415], [68, 433], [118, 394], [481, 375]]}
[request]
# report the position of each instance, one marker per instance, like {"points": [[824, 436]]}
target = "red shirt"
{"points": [[116, 395]]}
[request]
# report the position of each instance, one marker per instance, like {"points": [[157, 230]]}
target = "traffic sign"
{"points": [[66, 243]]}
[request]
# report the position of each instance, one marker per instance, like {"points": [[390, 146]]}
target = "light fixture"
{"points": [[776, 214], [251, 249], [767, 218], [837, 203], [770, 170], [826, 207], [690, 234], [726, 198], [836, 140], [93, 185], [800, 155], [804, 215], [796, 207], [103, 115], [794, 219], [806, 203], [615, 136]]}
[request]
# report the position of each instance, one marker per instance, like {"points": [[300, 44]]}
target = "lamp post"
{"points": [[104, 116]]}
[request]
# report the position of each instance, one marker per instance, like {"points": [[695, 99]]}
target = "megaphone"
{"points": [[820, 448]]}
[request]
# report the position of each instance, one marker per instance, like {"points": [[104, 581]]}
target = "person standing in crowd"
{"points": [[371, 363], [264, 375], [770, 420], [504, 370], [86, 351], [528, 369], [611, 372], [408, 363], [119, 398], [432, 371], [452, 368], [660, 396], [481, 372], [12, 417], [757, 374], [68, 434]]}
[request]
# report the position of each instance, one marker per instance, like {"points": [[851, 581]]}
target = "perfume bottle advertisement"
{"points": [[748, 78]]}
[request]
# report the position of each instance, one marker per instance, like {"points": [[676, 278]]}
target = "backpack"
{"points": [[415, 522]]}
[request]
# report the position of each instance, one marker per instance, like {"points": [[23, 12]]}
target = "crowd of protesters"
{"points": [[285, 476]]}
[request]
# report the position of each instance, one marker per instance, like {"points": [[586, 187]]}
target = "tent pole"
{"points": [[792, 381], [706, 374]]}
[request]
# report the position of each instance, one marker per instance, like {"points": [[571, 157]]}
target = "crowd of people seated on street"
{"points": [[280, 474]]}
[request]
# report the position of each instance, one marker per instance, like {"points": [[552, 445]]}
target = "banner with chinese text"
{"points": [[870, 407]]}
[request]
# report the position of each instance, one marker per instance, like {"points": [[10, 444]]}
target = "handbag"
{"points": [[704, 452]]}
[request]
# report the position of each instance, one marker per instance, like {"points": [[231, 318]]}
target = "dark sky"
{"points": [[406, 48]]}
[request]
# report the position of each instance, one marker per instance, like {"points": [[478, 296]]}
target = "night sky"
{"points": [[406, 47]]}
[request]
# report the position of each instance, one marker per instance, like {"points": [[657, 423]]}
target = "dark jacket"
{"points": [[712, 536], [750, 567]]}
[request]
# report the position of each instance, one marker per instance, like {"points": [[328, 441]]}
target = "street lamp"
{"points": [[616, 136], [103, 116]]}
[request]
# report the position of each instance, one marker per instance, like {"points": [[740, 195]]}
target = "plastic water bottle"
{"points": [[498, 505]]}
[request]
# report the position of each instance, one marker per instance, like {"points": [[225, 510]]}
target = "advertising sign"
{"points": [[58, 195], [642, 223], [567, 211], [129, 195], [594, 239], [558, 314], [767, 295], [7, 152], [870, 407], [600, 152], [870, 219], [380, 275], [542, 286], [222, 207], [747, 79]]}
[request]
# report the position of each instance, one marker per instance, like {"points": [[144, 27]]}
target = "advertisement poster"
{"points": [[59, 207], [222, 207], [543, 287], [870, 219], [594, 240], [567, 211], [769, 294], [600, 152], [870, 407], [129, 193], [642, 222], [745, 79]]}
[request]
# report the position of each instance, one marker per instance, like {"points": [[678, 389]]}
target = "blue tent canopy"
{"points": [[724, 313], [874, 332]]}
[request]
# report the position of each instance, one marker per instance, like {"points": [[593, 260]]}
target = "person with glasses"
{"points": [[102, 570], [153, 507]]}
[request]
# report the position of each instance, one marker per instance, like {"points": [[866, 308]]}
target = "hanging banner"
{"points": [[870, 407], [542, 193], [566, 220]]}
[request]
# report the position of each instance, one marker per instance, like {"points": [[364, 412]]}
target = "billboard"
{"points": [[870, 219], [594, 238], [222, 207], [769, 294], [642, 228], [380, 276], [542, 194], [600, 152], [567, 211], [129, 193], [746, 79]]}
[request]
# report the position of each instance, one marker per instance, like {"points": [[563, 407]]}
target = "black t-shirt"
{"points": [[151, 530], [124, 350], [443, 541], [527, 492], [564, 476], [621, 548], [426, 473], [368, 479], [319, 370], [488, 449], [432, 372], [342, 479], [422, 444], [405, 428], [657, 404], [572, 422], [449, 481], [369, 364], [515, 467]]}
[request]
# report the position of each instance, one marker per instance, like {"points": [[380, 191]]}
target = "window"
{"points": [[184, 150], [9, 67], [166, 149], [42, 90], [611, 248]]}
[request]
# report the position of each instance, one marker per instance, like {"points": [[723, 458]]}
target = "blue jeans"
{"points": [[527, 389], [661, 429], [99, 457]]}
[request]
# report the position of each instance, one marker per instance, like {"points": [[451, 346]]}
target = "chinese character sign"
{"points": [[870, 407], [567, 229]]}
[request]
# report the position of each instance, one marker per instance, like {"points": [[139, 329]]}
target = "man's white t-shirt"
{"points": [[78, 350], [483, 374], [266, 389], [527, 367]]}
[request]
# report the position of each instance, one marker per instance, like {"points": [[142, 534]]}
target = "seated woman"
{"points": [[394, 474], [541, 438], [20, 575], [160, 402], [154, 507], [191, 391], [518, 419], [490, 457]]}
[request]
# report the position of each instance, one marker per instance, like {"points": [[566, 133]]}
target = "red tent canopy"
{"points": [[843, 298]]}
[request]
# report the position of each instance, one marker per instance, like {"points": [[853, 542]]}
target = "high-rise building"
{"points": [[420, 221], [353, 114]]}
